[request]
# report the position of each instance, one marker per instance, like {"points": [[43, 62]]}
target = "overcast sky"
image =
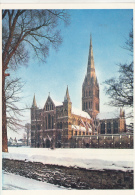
{"points": [[109, 30]]}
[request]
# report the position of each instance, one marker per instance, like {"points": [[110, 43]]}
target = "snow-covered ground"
{"points": [[85, 158], [16, 182]]}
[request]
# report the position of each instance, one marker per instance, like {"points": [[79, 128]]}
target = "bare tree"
{"points": [[120, 90], [13, 89], [21, 31]]}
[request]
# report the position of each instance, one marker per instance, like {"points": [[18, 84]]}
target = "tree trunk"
{"points": [[4, 121]]}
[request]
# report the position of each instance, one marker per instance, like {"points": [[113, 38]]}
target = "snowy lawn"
{"points": [[115, 159], [17, 182]]}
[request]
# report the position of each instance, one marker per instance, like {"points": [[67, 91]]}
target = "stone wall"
{"points": [[69, 177], [103, 141]]}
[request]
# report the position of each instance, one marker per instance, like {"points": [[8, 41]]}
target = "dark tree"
{"points": [[21, 31], [120, 90]]}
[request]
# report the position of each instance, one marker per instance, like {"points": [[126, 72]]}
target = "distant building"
{"points": [[57, 123]]}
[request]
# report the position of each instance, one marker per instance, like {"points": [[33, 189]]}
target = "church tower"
{"points": [[67, 104], [90, 87]]}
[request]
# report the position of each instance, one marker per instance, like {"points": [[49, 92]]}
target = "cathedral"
{"points": [[57, 123]]}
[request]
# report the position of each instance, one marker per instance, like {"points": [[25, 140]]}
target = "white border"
{"points": [[86, 4]]}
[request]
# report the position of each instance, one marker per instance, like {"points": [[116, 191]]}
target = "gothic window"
{"points": [[49, 121], [38, 127], [32, 116], [59, 136], [32, 141], [97, 94], [52, 106], [97, 107], [109, 128], [60, 125], [84, 106], [46, 122], [89, 93], [86, 93], [32, 134], [48, 107], [103, 128], [89, 104], [52, 122], [115, 127]]}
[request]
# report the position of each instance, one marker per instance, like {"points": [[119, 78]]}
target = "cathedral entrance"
{"points": [[48, 143], [87, 145], [58, 145]]}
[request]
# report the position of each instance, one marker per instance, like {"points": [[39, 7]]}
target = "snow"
{"points": [[108, 115], [80, 113], [97, 159], [57, 103], [11, 181], [80, 128]]}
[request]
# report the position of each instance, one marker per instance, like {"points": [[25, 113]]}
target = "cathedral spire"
{"points": [[34, 102], [91, 66], [91, 57], [67, 97]]}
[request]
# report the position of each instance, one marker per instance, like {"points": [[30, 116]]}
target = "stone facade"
{"points": [[57, 124]]}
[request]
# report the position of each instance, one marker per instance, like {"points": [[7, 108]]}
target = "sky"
{"points": [[109, 29]]}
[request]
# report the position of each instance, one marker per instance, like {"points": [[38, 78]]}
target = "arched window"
{"points": [[89, 93], [52, 122], [89, 104], [86, 93], [46, 107], [32, 134], [109, 128], [46, 122], [103, 128], [115, 127], [49, 121], [97, 107], [38, 127], [84, 106], [60, 125]]}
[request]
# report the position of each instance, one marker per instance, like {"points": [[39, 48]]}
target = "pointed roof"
{"points": [[91, 67], [34, 104], [67, 97], [56, 103], [91, 57]]}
